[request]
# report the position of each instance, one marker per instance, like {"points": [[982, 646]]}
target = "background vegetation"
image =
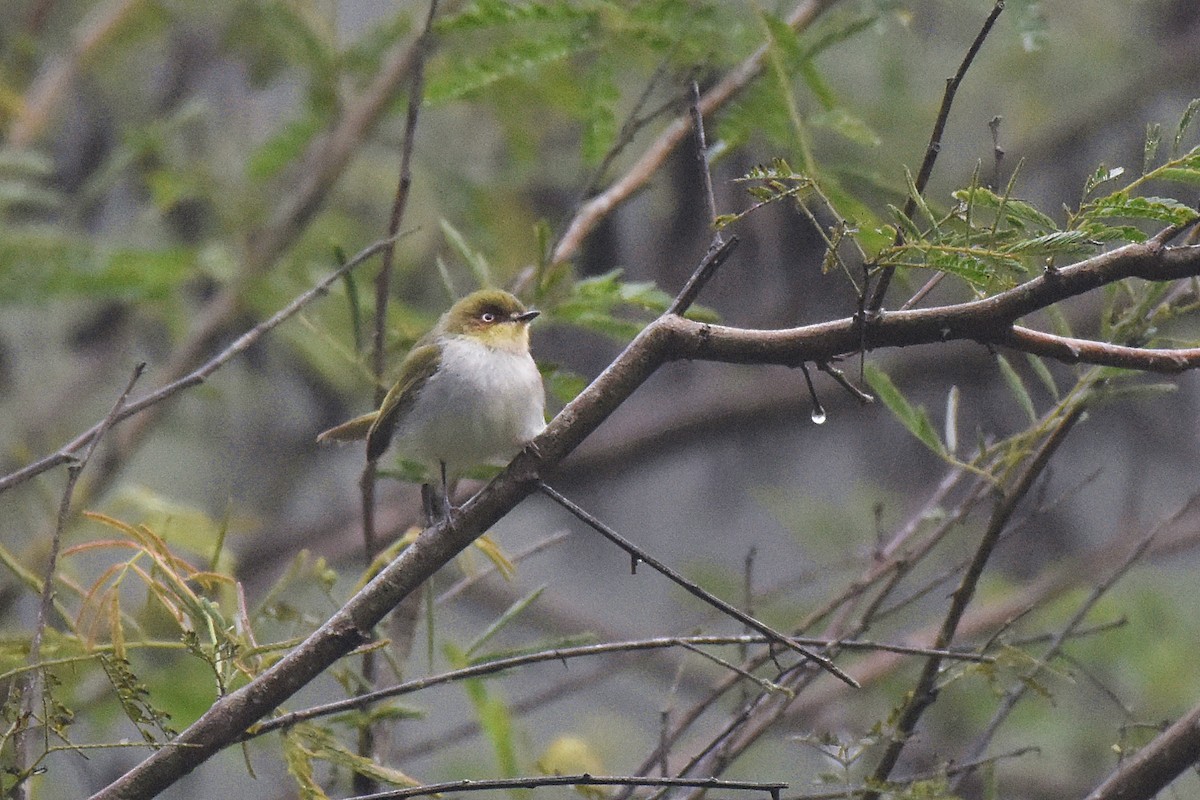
{"points": [[172, 175]]}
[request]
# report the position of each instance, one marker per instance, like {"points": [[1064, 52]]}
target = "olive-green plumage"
{"points": [[468, 392]]}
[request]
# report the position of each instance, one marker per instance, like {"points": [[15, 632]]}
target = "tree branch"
{"points": [[772, 789], [66, 453], [1155, 765], [667, 338], [988, 321], [925, 692], [603, 204], [935, 145]]}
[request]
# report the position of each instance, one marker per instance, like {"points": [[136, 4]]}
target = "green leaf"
{"points": [[907, 227], [1112, 233], [474, 259], [496, 723], [318, 743], [1179, 175], [503, 620], [490, 14], [919, 199], [817, 85], [1017, 387], [785, 42], [595, 301], [1014, 212], [842, 30], [1150, 148], [282, 148], [468, 75], [599, 116], [493, 715], [379, 712], [300, 766], [1120, 204], [1101, 176], [847, 125], [1184, 121], [915, 419], [1053, 243], [1043, 372]]}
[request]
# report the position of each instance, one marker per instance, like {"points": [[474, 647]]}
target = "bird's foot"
{"points": [[437, 506]]}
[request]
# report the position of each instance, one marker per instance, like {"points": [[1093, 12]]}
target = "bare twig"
{"points": [[31, 687], [1150, 769], [704, 272], [718, 248], [667, 338], [563, 654], [923, 694], [934, 146], [641, 556], [773, 789], [1021, 688], [603, 204], [66, 453], [701, 156], [366, 744]]}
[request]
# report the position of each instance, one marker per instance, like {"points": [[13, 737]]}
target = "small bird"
{"points": [[468, 393]]}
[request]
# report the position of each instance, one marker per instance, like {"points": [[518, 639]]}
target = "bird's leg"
{"points": [[429, 503], [447, 506]]}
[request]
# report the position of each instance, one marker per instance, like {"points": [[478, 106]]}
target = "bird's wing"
{"points": [[419, 365]]}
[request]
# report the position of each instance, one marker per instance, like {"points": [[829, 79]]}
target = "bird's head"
{"points": [[492, 316]]}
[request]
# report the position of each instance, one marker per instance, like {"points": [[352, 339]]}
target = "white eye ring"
{"points": [[487, 316]]}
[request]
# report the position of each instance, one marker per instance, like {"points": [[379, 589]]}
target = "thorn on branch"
{"points": [[840, 378]]}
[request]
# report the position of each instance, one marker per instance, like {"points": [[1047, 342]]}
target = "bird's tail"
{"points": [[350, 431]]}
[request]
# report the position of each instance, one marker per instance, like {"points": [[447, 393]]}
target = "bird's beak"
{"points": [[528, 316]]}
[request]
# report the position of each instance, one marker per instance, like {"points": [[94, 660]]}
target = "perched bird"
{"points": [[468, 393]]}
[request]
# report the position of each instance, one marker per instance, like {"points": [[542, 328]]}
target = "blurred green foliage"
{"points": [[151, 148]]}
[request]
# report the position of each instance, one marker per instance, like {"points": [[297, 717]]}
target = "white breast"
{"points": [[481, 407]]}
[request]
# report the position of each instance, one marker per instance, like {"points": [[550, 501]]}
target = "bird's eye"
{"points": [[488, 316]]}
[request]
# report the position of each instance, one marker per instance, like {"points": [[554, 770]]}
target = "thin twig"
{"points": [[30, 687], [652, 159], [1021, 688], [718, 248], [701, 156], [633, 123], [932, 775], [712, 260], [584, 779], [934, 147], [887, 559], [922, 695], [467, 581], [366, 738], [66, 453], [840, 378], [1155, 765], [642, 556]]}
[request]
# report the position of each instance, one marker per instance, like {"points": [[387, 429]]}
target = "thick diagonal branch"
{"points": [[667, 338]]}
